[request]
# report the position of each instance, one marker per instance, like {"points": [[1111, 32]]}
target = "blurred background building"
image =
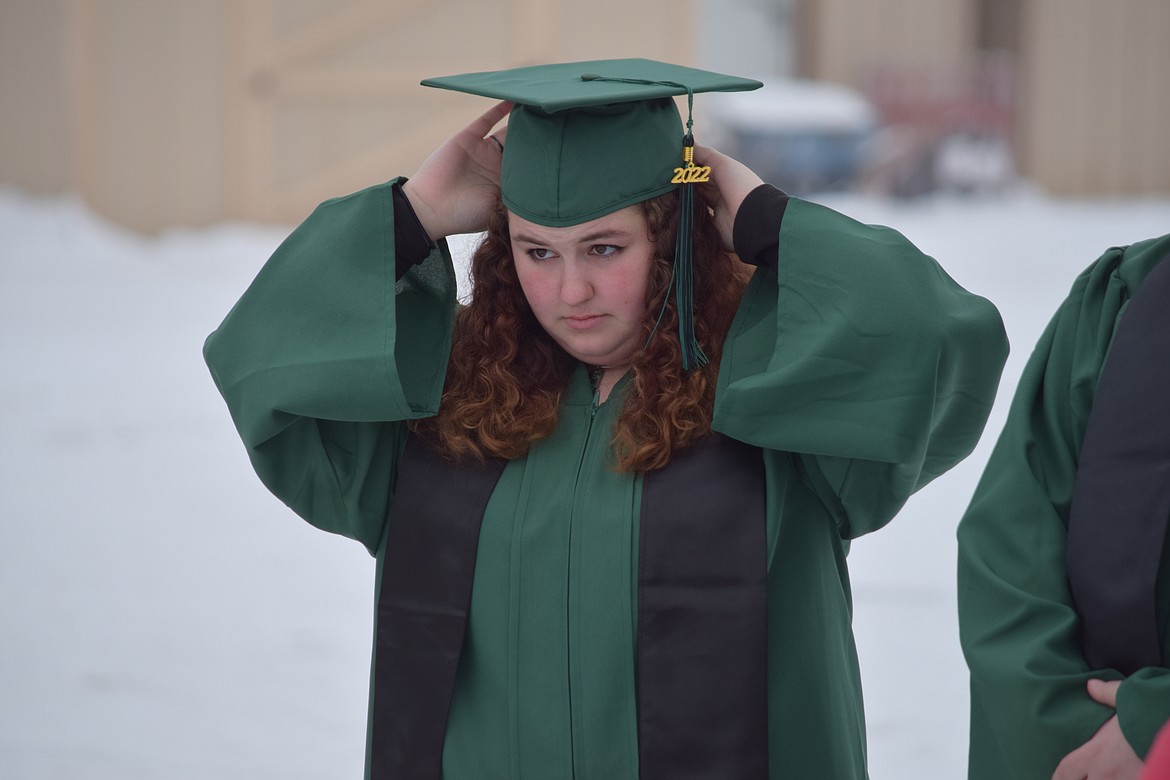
{"points": [[169, 112]]}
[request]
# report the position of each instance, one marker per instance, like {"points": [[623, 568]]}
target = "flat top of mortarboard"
{"points": [[568, 85]]}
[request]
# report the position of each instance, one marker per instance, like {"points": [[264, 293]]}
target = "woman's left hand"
{"points": [[731, 181]]}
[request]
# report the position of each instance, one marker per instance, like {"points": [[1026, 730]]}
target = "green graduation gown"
{"points": [[860, 368], [1029, 706]]}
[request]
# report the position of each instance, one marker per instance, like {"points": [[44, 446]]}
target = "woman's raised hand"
{"points": [[457, 185], [731, 181]]}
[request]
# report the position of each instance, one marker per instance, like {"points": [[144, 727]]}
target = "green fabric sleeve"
{"points": [[324, 355], [1018, 625], [863, 357], [1143, 706]]}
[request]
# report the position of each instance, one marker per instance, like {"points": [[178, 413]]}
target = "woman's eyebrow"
{"points": [[588, 238], [602, 235]]}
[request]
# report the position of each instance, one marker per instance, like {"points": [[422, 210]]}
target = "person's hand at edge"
{"points": [[1107, 755]]}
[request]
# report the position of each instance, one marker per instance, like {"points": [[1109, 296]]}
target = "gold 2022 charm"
{"points": [[692, 174]]}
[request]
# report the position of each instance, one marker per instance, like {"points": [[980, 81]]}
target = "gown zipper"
{"points": [[595, 379]]}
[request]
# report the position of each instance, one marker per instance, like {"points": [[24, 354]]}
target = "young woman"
{"points": [[610, 544]]}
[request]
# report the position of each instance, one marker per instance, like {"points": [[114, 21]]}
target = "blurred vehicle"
{"points": [[973, 161], [801, 136]]}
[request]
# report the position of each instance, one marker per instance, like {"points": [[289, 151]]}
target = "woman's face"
{"points": [[587, 283]]}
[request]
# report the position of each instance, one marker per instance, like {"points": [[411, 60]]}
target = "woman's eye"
{"points": [[604, 250], [539, 253]]}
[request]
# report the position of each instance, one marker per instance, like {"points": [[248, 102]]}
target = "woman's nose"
{"points": [[576, 287]]}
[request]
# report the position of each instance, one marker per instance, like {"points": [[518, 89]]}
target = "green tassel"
{"points": [[684, 289]]}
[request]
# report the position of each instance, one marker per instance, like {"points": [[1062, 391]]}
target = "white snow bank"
{"points": [[164, 617]]}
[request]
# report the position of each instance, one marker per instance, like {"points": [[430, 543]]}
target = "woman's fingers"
{"points": [[484, 123], [499, 136], [1104, 692]]}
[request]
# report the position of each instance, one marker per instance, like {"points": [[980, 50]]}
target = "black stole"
{"points": [[702, 613], [702, 616], [431, 539], [1121, 496]]}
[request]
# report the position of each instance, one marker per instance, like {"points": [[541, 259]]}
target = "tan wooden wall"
{"points": [[1090, 77], [172, 112], [843, 39], [35, 149], [1097, 111]]}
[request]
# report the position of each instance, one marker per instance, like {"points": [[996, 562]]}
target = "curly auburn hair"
{"points": [[506, 375]]}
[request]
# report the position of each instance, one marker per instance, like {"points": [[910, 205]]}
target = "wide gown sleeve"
{"points": [[324, 356], [1018, 625], [863, 358]]}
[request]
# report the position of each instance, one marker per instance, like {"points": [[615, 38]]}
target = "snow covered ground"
{"points": [[161, 616]]}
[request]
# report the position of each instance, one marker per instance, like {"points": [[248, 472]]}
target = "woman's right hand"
{"points": [[458, 184]]}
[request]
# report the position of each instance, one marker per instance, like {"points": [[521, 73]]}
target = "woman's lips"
{"points": [[583, 321]]}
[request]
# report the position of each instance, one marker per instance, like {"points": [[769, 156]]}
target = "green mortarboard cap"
{"points": [[588, 138]]}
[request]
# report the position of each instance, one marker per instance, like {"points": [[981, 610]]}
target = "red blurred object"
{"points": [[1158, 759]]}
